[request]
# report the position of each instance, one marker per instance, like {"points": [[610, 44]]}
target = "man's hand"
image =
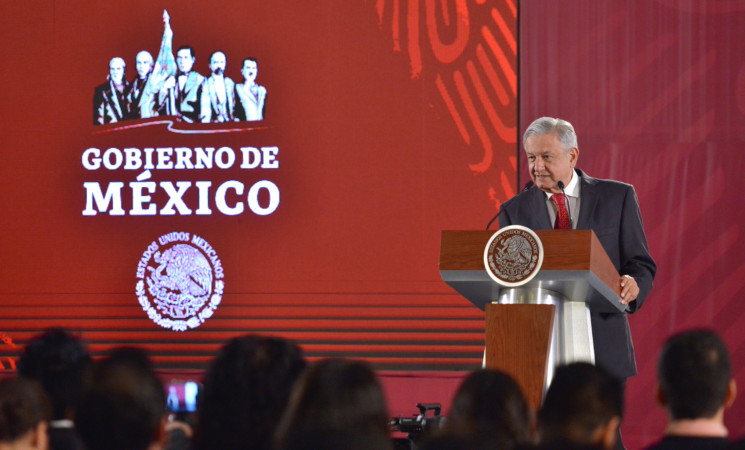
{"points": [[629, 289]]}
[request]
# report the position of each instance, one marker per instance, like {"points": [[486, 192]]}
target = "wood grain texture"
{"points": [[517, 342]]}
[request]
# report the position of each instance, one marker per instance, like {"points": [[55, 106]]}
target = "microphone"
{"points": [[566, 201], [493, 219]]}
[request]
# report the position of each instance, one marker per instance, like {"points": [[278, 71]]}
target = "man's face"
{"points": [[116, 70], [144, 64], [250, 70], [549, 163], [217, 63], [184, 60]]}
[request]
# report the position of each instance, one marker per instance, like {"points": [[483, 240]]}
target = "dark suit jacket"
{"points": [[188, 100], [133, 96], [611, 209], [108, 104]]}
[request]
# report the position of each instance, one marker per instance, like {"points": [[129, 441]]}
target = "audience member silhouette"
{"points": [[337, 404], [24, 414], [695, 386], [488, 411], [58, 360], [122, 406], [246, 389], [582, 409]]}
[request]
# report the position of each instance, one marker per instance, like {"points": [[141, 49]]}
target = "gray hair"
{"points": [[117, 59], [548, 125], [145, 53]]}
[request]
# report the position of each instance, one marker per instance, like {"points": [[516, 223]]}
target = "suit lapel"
{"points": [[588, 200], [115, 101], [229, 93], [191, 82], [539, 211], [207, 88]]}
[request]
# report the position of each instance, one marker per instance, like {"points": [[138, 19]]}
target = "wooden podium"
{"points": [[534, 327]]}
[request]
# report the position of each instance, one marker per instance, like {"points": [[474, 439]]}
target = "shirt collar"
{"points": [[696, 427], [62, 423], [572, 189]]}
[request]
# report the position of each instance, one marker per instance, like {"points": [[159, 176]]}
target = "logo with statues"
{"points": [[513, 255], [180, 281]]}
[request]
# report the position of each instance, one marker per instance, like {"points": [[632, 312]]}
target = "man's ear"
{"points": [[731, 393], [609, 433], [573, 156], [40, 438], [160, 439]]}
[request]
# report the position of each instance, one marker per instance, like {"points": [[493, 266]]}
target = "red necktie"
{"points": [[562, 216]]}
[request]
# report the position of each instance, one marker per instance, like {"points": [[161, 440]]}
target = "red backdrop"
{"points": [[394, 120], [655, 92]]}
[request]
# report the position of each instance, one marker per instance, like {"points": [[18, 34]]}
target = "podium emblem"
{"points": [[513, 255]]}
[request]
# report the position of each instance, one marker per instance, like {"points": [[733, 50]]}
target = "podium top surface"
{"points": [[575, 265]]}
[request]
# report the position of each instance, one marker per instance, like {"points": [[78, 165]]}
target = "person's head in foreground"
{"points": [[695, 383], [246, 389], [336, 397], [58, 360], [490, 406], [123, 404], [24, 415], [583, 407]]}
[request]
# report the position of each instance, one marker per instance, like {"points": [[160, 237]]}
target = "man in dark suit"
{"points": [[186, 87], [610, 208], [109, 102], [218, 93], [144, 66]]}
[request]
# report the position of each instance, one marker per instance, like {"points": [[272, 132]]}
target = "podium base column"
{"points": [[565, 338]]}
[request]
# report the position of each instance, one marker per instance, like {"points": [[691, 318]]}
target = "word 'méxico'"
{"points": [[107, 197]]}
